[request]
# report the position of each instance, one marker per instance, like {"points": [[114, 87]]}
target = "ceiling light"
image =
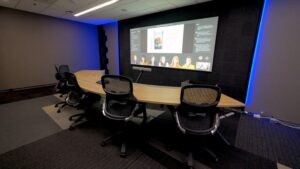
{"points": [[96, 7]]}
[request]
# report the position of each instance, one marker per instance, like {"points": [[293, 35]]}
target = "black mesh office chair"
{"points": [[61, 86], [198, 114], [76, 98], [118, 105]]}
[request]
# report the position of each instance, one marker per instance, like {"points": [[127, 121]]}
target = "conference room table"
{"points": [[145, 93]]}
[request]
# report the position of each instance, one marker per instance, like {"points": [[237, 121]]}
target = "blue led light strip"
{"points": [[257, 48]]}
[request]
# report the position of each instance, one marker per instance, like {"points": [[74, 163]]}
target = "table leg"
{"points": [[141, 109], [172, 110]]}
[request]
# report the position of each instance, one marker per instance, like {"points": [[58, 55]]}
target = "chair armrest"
{"points": [[216, 124], [70, 85], [111, 116], [178, 123]]}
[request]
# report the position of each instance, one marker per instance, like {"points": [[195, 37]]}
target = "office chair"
{"points": [[198, 115], [118, 105], [76, 98], [61, 78], [61, 86]]}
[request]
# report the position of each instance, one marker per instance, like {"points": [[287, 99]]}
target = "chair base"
{"points": [[64, 104], [141, 109], [123, 152], [190, 159], [208, 151], [223, 138], [78, 121], [211, 154]]}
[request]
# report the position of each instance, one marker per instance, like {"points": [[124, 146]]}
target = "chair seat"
{"points": [[74, 98], [119, 110], [196, 123]]}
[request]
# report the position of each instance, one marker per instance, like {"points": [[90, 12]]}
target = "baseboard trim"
{"points": [[28, 87]]}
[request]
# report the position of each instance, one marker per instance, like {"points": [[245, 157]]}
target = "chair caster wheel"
{"points": [[123, 155], [103, 144], [169, 148], [58, 111], [216, 160], [56, 105]]}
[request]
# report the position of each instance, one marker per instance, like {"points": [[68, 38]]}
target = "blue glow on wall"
{"points": [[255, 62], [99, 21]]}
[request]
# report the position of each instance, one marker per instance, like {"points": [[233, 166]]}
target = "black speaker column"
{"points": [[102, 38]]}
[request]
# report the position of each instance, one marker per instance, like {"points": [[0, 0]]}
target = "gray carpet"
{"points": [[24, 126], [78, 149], [269, 140], [145, 162], [23, 122]]}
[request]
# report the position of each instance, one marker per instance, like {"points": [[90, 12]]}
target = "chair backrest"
{"points": [[63, 69], [76, 95], [115, 85], [60, 72], [71, 80], [200, 96], [119, 101], [56, 68]]}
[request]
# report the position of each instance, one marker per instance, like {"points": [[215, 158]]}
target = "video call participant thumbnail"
{"points": [[153, 61], [134, 60], [175, 62], [143, 61], [163, 62], [188, 64]]}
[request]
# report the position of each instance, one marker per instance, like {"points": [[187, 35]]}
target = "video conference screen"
{"points": [[181, 45]]}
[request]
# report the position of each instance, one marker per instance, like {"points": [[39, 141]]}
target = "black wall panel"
{"points": [[235, 43]]}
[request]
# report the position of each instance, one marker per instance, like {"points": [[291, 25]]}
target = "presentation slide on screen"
{"points": [[167, 39], [181, 45]]}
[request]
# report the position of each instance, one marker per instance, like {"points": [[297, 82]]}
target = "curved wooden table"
{"points": [[166, 95]]}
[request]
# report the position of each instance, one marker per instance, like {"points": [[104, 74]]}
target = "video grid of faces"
{"points": [[179, 61]]}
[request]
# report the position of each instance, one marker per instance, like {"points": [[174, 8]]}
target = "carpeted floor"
{"points": [[80, 149], [269, 140], [23, 122], [30, 138], [62, 118], [75, 149]]}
